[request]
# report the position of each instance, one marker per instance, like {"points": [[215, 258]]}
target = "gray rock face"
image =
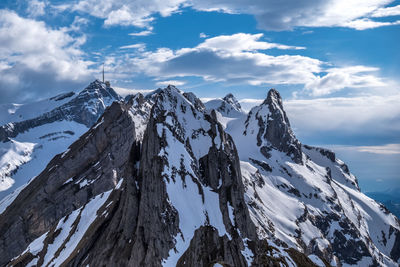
{"points": [[159, 228], [140, 108], [85, 108], [278, 131], [93, 165], [230, 99], [220, 170], [207, 248], [274, 131], [230, 106]]}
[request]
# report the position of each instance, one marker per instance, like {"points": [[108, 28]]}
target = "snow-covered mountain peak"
{"points": [[273, 95], [177, 102], [172, 88], [270, 126], [228, 108], [98, 89], [231, 99], [77, 183], [96, 95]]}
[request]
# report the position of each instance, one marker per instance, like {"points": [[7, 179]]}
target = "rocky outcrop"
{"points": [[278, 131], [230, 106], [208, 248], [273, 128], [139, 109], [220, 170], [62, 96], [230, 99], [395, 252], [160, 230]]}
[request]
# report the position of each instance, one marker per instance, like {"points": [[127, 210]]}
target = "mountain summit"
{"points": [[230, 99], [165, 180], [269, 125]]}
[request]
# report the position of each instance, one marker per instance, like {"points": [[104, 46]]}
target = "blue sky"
{"points": [[335, 62]]}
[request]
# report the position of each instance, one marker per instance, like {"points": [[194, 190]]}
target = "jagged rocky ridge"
{"points": [[177, 198], [304, 197], [160, 182]]}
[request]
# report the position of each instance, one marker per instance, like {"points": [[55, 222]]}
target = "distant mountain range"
{"points": [[163, 179]]}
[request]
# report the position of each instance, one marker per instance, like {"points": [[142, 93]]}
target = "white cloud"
{"points": [[35, 57], [346, 116], [77, 24], [203, 35], [229, 58], [142, 33], [270, 15], [248, 103], [338, 78], [242, 42], [240, 59], [172, 82], [386, 149], [389, 149], [365, 23], [137, 13], [387, 11], [228, 66], [36, 8], [287, 14], [139, 46]]}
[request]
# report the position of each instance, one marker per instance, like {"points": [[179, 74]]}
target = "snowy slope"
{"points": [[50, 126], [40, 145], [70, 229], [305, 196], [21, 112]]}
